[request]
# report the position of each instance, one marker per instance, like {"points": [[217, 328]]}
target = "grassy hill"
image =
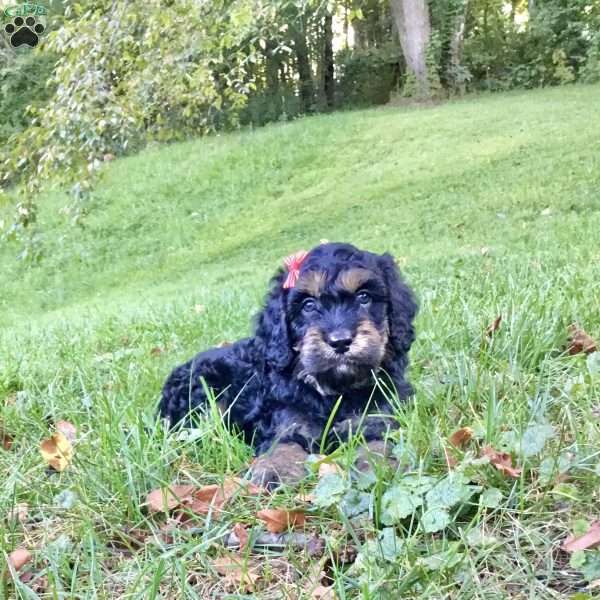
{"points": [[492, 207]]}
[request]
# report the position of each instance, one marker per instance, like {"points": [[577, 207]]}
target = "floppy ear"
{"points": [[272, 327], [402, 307]]}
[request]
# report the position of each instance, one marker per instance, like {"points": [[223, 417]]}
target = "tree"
{"points": [[414, 30]]}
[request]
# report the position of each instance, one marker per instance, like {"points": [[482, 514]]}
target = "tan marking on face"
{"points": [[352, 279], [312, 283], [313, 342], [368, 340]]}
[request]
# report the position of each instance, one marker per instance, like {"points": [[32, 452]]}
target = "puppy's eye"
{"points": [[309, 305], [363, 297]]}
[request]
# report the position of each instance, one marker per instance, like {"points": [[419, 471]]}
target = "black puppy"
{"points": [[334, 319]]}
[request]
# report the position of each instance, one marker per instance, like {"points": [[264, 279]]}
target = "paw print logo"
{"points": [[24, 31]]}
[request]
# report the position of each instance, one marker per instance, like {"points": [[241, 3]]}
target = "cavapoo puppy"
{"points": [[336, 318]]}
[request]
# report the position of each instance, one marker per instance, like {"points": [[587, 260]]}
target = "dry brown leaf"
{"points": [[156, 351], [494, 325], [306, 498], [322, 592], [5, 438], [278, 520], [67, 429], [461, 437], [166, 499], [199, 500], [327, 467], [502, 461], [57, 451], [236, 570], [590, 539], [18, 558], [580, 341], [240, 531]]}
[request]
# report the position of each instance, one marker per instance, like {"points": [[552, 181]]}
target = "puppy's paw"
{"points": [[374, 454], [283, 465]]}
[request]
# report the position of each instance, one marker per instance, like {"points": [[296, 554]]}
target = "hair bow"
{"points": [[293, 262]]}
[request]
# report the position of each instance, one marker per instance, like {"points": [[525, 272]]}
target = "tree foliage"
{"points": [[112, 76]]}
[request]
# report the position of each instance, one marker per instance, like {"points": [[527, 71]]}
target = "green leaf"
{"points": [[450, 491], [491, 498], [405, 454], [435, 520], [329, 490], [418, 484], [534, 439], [591, 569], [477, 538], [552, 466], [389, 544], [593, 363], [577, 559], [398, 503], [442, 561], [580, 527], [354, 503]]}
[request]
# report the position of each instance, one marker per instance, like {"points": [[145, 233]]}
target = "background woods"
{"points": [[111, 76]]}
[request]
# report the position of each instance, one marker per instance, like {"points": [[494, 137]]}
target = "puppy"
{"points": [[336, 318]]}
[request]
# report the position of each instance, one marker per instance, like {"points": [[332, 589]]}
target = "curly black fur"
{"points": [[281, 384]]}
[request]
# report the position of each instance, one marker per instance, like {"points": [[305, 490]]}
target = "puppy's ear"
{"points": [[402, 307], [272, 326]]}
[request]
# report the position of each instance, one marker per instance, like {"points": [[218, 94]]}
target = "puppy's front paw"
{"points": [[283, 465], [376, 452]]}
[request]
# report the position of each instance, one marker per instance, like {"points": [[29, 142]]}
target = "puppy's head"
{"points": [[348, 314]]}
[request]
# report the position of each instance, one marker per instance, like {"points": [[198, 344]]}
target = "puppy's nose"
{"points": [[340, 340]]}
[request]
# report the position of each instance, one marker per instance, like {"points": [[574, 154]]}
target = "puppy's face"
{"points": [[339, 326]]}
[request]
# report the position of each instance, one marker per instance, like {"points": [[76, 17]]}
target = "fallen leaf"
{"points": [[57, 451], [278, 520], [236, 570], [7, 440], [19, 558], [589, 540], [199, 500], [461, 437], [502, 461], [327, 466], [240, 531], [167, 499], [214, 497], [224, 344], [67, 429], [580, 341], [156, 351], [494, 325], [322, 592]]}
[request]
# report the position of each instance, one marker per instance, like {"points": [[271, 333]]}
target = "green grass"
{"points": [[491, 205]]}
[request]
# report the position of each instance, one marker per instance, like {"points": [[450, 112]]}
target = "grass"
{"points": [[492, 207]]}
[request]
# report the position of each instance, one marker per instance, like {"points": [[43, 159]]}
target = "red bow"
{"points": [[293, 262]]}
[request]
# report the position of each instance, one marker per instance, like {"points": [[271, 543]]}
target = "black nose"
{"points": [[340, 340]]}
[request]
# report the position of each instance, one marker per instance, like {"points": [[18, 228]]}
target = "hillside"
{"points": [[491, 206]]}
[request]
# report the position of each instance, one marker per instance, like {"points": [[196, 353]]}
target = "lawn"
{"points": [[491, 206]]}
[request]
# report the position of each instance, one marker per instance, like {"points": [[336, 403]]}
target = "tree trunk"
{"points": [[414, 29], [328, 66], [456, 46], [304, 71]]}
